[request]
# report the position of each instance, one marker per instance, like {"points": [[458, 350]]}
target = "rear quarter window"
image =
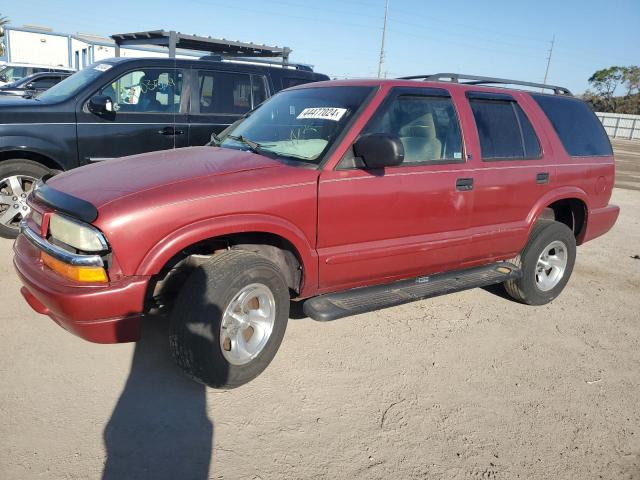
{"points": [[577, 127]]}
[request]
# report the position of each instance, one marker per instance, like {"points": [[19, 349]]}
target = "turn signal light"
{"points": [[79, 274]]}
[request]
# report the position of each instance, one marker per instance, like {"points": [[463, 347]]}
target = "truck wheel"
{"points": [[229, 319], [17, 178], [546, 264]]}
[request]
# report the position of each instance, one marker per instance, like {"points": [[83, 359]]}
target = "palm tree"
{"points": [[3, 21]]}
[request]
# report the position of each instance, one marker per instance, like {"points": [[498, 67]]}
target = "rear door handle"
{"points": [[464, 184], [170, 131], [542, 177]]}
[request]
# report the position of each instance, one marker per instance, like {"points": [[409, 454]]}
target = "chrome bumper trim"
{"points": [[58, 253]]}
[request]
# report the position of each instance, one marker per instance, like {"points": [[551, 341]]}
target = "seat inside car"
{"points": [[420, 141]]}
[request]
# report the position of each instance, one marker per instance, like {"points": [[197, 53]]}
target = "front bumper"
{"points": [[101, 313]]}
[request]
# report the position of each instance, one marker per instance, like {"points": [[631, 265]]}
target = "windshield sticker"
{"points": [[325, 113], [103, 67]]}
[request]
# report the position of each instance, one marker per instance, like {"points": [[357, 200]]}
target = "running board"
{"points": [[333, 306]]}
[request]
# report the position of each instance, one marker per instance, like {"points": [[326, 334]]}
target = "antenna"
{"points": [[384, 31], [546, 72]]}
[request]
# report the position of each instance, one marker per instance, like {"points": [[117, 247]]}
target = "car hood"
{"points": [[111, 180]]}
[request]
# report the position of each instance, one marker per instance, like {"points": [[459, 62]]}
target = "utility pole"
{"points": [[546, 72], [384, 31]]}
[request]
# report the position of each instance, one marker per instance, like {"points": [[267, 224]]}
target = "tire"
{"points": [[543, 278], [26, 172], [202, 339]]}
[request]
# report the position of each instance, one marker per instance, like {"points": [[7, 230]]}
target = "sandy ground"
{"points": [[471, 385]]}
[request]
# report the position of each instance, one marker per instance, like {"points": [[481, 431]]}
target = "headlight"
{"points": [[76, 234]]}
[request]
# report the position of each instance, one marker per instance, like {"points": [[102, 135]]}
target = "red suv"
{"points": [[349, 195]]}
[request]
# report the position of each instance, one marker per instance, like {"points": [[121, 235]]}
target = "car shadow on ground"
{"points": [[159, 428]]}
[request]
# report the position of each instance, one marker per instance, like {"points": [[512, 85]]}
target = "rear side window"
{"points": [[226, 93], [504, 130], [579, 130]]}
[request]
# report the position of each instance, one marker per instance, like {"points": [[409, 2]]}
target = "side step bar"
{"points": [[333, 306]]}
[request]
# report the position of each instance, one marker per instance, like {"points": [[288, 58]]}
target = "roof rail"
{"points": [[480, 80], [259, 61]]}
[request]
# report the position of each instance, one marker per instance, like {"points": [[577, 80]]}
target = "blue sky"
{"points": [[342, 38]]}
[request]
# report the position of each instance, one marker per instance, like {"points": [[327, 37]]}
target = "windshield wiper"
{"points": [[255, 147], [215, 141]]}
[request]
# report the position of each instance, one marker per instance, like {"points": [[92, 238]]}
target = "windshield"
{"points": [[71, 85], [297, 124]]}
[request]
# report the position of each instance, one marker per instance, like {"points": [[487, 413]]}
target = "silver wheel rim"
{"points": [[247, 324], [13, 199], [551, 265]]}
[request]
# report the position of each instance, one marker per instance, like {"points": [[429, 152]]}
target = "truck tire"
{"points": [[546, 264], [17, 177], [229, 319]]}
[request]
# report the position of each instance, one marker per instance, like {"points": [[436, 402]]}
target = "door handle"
{"points": [[170, 131], [542, 177], [464, 184]]}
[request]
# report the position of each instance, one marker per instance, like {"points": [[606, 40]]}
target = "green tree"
{"points": [[3, 21], [631, 79], [605, 82]]}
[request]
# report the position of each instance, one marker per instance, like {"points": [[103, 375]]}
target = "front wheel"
{"points": [[546, 264], [17, 178], [229, 319]]}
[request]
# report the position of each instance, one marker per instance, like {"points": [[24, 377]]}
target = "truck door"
{"points": [[149, 114], [408, 220], [515, 171]]}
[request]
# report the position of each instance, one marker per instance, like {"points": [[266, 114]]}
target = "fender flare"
{"points": [[562, 193], [196, 232]]}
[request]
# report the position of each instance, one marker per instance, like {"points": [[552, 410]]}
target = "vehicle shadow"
{"points": [[159, 428]]}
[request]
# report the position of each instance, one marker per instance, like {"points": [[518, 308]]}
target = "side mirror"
{"points": [[30, 86], [100, 104], [379, 150]]}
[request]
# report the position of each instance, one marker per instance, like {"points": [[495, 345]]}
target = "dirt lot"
{"points": [[466, 386]]}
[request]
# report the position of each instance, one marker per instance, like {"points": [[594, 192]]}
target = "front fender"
{"points": [[196, 232], [62, 150]]}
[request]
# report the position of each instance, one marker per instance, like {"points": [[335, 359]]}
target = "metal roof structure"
{"points": [[220, 46]]}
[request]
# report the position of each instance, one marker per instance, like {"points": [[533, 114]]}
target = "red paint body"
{"points": [[349, 227]]}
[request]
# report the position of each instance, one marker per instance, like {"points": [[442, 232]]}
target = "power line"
{"points": [[384, 31]]}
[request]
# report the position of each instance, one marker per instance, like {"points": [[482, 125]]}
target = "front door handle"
{"points": [[464, 184], [542, 177], [170, 131]]}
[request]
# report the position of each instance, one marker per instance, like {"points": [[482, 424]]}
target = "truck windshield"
{"points": [[70, 86], [297, 124]]}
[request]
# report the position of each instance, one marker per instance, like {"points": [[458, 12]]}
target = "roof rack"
{"points": [[173, 40], [480, 80], [257, 61]]}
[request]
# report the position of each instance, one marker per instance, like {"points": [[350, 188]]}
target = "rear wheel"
{"points": [[546, 264], [229, 319], [17, 178]]}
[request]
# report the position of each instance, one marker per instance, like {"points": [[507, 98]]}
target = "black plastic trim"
{"points": [[63, 202], [489, 96], [333, 306]]}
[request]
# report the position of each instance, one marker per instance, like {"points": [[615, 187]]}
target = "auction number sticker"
{"points": [[323, 113]]}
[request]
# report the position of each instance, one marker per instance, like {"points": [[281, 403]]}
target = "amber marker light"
{"points": [[72, 272]]}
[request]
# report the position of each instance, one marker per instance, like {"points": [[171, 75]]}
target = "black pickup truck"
{"points": [[124, 106]]}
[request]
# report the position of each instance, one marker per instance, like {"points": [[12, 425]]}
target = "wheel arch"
{"points": [[569, 206], [273, 237], [34, 156]]}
